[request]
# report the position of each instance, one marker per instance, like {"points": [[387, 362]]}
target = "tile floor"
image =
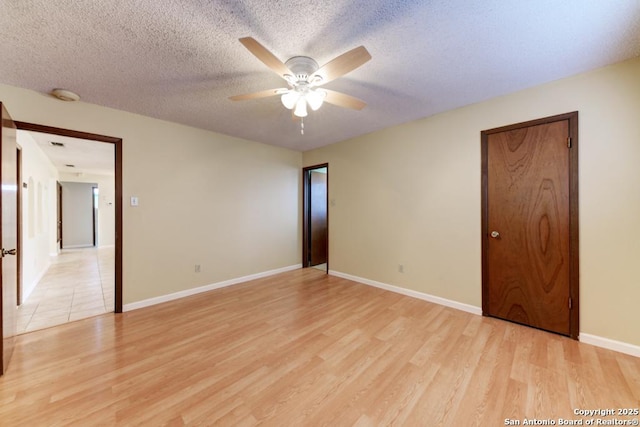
{"points": [[78, 284]]}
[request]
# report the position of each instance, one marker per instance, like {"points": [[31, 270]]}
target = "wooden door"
{"points": [[8, 236], [19, 261], [59, 213], [530, 224], [315, 221], [318, 218]]}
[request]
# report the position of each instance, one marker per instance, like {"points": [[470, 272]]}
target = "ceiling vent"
{"points": [[56, 144], [70, 166]]}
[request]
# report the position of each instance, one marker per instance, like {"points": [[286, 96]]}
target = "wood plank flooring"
{"points": [[306, 349]]}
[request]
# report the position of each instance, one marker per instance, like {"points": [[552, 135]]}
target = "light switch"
{"points": [[134, 201]]}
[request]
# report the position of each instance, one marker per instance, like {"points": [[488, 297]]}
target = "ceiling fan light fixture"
{"points": [[303, 76], [315, 98], [290, 99], [301, 107]]}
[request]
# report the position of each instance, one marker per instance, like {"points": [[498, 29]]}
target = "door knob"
{"points": [[8, 252], [495, 234]]}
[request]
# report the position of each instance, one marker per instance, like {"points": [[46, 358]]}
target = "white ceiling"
{"points": [[87, 157], [181, 60]]}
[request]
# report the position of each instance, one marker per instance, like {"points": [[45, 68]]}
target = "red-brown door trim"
{"points": [[19, 270], [118, 190], [306, 229], [59, 214]]}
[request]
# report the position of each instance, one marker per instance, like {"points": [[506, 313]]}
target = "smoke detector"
{"points": [[65, 95]]}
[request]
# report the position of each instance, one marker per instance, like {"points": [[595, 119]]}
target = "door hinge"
{"points": [[568, 142], [570, 303]]}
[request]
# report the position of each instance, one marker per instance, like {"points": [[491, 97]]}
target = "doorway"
{"points": [[79, 214], [116, 143], [315, 252], [530, 223]]}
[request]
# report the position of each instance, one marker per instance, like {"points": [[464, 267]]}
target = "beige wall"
{"points": [[406, 195], [230, 205], [411, 195], [39, 232]]}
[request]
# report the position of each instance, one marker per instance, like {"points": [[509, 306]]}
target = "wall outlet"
{"points": [[197, 269], [400, 268]]}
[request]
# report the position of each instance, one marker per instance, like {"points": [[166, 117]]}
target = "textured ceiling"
{"points": [[181, 60]]}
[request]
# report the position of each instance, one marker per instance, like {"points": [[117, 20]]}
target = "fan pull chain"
{"points": [[301, 126]]}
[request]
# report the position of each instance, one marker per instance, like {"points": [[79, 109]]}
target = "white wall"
{"points": [[411, 195], [77, 214], [39, 231], [227, 204], [106, 206]]}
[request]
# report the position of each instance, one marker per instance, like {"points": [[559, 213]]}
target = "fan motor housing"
{"points": [[302, 66]]}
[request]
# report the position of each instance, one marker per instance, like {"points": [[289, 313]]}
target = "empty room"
{"points": [[351, 213]]}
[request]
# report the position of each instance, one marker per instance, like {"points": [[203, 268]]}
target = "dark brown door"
{"points": [[94, 209], [318, 218], [59, 212], [315, 221], [8, 235], [527, 239], [19, 272]]}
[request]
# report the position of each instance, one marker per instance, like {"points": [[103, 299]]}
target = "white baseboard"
{"points": [[27, 290], [188, 292], [619, 346], [607, 343], [410, 293]]}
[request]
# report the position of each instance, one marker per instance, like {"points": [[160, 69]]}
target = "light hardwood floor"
{"points": [[306, 349]]}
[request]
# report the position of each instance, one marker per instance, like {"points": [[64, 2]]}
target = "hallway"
{"points": [[78, 284]]}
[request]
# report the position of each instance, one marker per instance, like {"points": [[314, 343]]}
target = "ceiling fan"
{"points": [[304, 77]]}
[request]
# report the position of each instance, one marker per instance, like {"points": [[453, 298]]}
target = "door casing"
{"points": [[118, 191], [59, 214], [574, 262], [8, 239], [19, 224], [306, 208]]}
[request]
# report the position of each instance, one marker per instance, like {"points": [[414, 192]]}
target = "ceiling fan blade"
{"points": [[343, 100], [265, 56], [341, 65], [261, 94]]}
